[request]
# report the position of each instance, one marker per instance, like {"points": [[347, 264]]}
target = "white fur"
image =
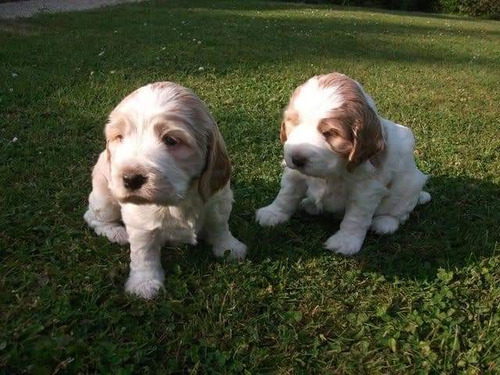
{"points": [[314, 101], [174, 213], [381, 198]]}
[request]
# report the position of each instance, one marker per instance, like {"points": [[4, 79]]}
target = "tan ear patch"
{"points": [[338, 134], [217, 171], [357, 122], [290, 119], [369, 142], [283, 132], [115, 128]]}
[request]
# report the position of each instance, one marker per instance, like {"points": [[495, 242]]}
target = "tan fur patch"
{"points": [[217, 172], [355, 114], [338, 135], [117, 126], [333, 79], [291, 117], [283, 132]]}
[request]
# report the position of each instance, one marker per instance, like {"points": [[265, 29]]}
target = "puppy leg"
{"points": [[395, 208], [293, 189], [363, 202], [316, 189], [424, 197], [216, 228], [146, 274], [104, 213], [385, 224], [311, 206]]}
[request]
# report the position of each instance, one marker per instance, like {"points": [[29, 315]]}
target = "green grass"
{"points": [[425, 300]]}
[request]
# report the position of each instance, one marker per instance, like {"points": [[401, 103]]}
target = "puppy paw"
{"points": [[117, 234], [310, 206], [384, 224], [344, 244], [270, 216], [145, 284], [237, 250], [424, 197], [113, 231]]}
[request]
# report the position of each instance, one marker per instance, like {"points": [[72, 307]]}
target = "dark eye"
{"points": [[119, 138], [330, 133], [170, 141]]}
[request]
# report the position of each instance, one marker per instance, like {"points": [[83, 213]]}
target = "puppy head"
{"points": [[160, 141], [329, 127]]}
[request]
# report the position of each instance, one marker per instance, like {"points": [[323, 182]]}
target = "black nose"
{"points": [[133, 181], [299, 161]]}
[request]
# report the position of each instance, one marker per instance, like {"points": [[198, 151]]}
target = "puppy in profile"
{"points": [[165, 176], [341, 156]]}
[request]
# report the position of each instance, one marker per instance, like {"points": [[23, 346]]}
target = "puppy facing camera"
{"points": [[342, 157], [163, 177]]}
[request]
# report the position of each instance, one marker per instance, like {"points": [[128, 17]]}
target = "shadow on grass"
{"points": [[458, 226], [270, 6], [251, 39], [291, 5]]}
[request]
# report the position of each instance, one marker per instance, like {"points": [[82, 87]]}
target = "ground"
{"points": [[424, 300], [27, 8]]}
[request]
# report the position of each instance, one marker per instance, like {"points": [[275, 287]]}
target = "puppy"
{"points": [[165, 175], [341, 156]]}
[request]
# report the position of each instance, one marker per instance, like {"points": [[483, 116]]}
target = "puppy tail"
{"points": [[424, 197]]}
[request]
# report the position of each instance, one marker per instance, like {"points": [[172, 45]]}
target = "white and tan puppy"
{"points": [[165, 175], [341, 156]]}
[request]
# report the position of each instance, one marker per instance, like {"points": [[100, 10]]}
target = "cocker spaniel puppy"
{"points": [[165, 176], [341, 156]]}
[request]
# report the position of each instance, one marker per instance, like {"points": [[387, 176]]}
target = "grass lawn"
{"points": [[425, 300]]}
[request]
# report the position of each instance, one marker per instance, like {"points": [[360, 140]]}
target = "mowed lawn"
{"points": [[425, 300]]}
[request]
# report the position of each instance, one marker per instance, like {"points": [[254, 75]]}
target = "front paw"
{"points": [[384, 224], [310, 206], [117, 234], [113, 231], [270, 216], [237, 250], [144, 284], [344, 244]]}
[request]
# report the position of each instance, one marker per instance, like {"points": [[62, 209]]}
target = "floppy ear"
{"points": [[283, 132], [369, 143], [108, 152], [114, 128], [217, 169]]}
